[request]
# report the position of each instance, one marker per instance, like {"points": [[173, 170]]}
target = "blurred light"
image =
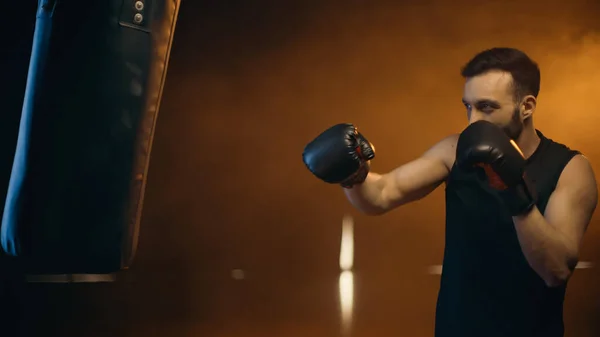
{"points": [[584, 265], [238, 274], [347, 245], [346, 300], [437, 269], [346, 282]]}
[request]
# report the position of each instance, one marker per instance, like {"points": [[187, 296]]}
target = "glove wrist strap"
{"points": [[357, 178], [520, 198]]}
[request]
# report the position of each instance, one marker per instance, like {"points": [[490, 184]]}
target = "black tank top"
{"points": [[487, 287]]}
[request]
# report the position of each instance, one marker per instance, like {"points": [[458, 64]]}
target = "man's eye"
{"points": [[485, 107]]}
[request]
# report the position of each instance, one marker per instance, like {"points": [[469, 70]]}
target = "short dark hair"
{"points": [[525, 72]]}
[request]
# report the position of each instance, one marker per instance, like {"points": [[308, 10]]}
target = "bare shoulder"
{"points": [[577, 186], [444, 150], [578, 173], [573, 202]]}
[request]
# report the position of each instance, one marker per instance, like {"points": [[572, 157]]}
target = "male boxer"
{"points": [[517, 203]]}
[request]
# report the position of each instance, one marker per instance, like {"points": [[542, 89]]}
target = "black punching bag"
{"points": [[94, 85]]}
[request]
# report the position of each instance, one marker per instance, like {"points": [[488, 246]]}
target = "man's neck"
{"points": [[528, 141]]}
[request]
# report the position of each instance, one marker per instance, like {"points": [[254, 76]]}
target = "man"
{"points": [[517, 203]]}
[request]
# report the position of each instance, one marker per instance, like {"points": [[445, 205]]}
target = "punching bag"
{"points": [[93, 90]]}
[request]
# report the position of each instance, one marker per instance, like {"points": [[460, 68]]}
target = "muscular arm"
{"points": [[551, 242], [412, 181]]}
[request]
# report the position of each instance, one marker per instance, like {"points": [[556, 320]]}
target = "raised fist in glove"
{"points": [[483, 144], [339, 155]]}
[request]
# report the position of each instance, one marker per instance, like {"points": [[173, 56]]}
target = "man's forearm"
{"points": [[546, 249], [368, 196]]}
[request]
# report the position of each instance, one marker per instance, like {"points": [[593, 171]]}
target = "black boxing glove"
{"points": [[339, 155], [483, 144]]}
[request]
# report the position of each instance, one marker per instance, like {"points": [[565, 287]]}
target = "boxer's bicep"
{"points": [[574, 201], [416, 179]]}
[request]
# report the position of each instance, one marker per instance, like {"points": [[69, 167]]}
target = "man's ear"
{"points": [[528, 105]]}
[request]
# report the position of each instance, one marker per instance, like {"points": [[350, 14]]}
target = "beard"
{"points": [[515, 127]]}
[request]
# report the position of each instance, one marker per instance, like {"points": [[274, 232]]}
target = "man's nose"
{"points": [[475, 117]]}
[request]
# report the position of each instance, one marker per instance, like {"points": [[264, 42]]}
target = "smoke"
{"points": [[254, 84], [249, 87], [393, 68]]}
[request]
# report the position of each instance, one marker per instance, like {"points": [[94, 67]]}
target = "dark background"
{"points": [[249, 83]]}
